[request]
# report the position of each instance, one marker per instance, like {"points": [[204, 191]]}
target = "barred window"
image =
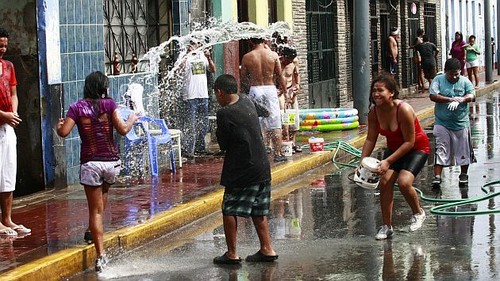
{"points": [[131, 27]]}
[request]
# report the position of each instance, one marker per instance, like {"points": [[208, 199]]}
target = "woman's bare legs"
{"points": [[97, 198]]}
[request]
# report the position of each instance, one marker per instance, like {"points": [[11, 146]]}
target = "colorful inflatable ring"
{"points": [[328, 119], [312, 122], [327, 113], [331, 127]]}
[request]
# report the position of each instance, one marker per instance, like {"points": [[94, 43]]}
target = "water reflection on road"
{"points": [[324, 230]]}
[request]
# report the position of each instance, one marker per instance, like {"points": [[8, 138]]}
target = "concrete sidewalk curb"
{"points": [[71, 261]]}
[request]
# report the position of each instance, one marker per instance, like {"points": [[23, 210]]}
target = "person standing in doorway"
{"points": [[472, 60], [260, 72], [406, 154], [9, 119], [246, 173], [457, 50], [195, 96], [417, 59], [95, 116], [452, 92], [392, 51], [428, 54]]}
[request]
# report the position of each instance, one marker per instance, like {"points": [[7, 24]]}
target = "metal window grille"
{"points": [[132, 27], [430, 21], [321, 61]]}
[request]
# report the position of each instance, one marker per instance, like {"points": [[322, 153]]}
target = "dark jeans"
{"points": [[195, 125]]}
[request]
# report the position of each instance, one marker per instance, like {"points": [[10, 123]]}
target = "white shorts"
{"points": [[95, 173], [471, 64], [8, 158], [274, 120], [452, 147]]}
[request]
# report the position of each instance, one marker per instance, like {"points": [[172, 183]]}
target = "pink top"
{"points": [[457, 51], [97, 136]]}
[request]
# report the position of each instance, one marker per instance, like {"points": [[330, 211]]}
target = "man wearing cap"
{"points": [[392, 51]]}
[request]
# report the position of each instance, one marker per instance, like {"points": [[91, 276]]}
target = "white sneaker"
{"points": [[100, 263], [463, 179], [384, 232], [417, 220], [436, 180]]}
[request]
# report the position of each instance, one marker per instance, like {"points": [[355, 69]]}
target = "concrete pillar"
{"points": [[498, 37], [361, 59], [487, 48]]}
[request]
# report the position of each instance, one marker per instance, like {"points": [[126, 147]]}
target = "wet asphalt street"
{"points": [[324, 230]]}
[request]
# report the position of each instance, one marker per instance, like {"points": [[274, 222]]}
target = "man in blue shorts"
{"points": [[451, 93], [246, 173]]}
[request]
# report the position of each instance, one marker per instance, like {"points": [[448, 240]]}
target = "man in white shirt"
{"points": [[195, 97]]}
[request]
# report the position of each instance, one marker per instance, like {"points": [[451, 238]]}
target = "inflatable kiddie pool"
{"points": [[328, 119]]}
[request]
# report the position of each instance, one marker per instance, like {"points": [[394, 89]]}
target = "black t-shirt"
{"points": [[427, 51], [239, 135]]}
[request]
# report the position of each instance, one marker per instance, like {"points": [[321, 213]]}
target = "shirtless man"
{"points": [[392, 51], [290, 65], [260, 68]]}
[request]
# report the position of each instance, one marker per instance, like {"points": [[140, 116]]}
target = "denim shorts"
{"points": [[95, 173], [248, 201]]}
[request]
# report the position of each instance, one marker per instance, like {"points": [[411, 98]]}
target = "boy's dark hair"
{"points": [[96, 86], [226, 83], [256, 41], [389, 82], [472, 36], [452, 64], [289, 53], [4, 32], [425, 38]]}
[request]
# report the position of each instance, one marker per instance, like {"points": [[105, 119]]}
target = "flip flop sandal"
{"points": [[7, 231], [225, 260], [260, 257], [21, 229]]}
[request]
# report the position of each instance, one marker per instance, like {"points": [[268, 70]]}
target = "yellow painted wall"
{"points": [[285, 12], [258, 12]]}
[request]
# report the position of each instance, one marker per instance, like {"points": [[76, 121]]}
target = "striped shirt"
{"points": [[95, 129]]}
